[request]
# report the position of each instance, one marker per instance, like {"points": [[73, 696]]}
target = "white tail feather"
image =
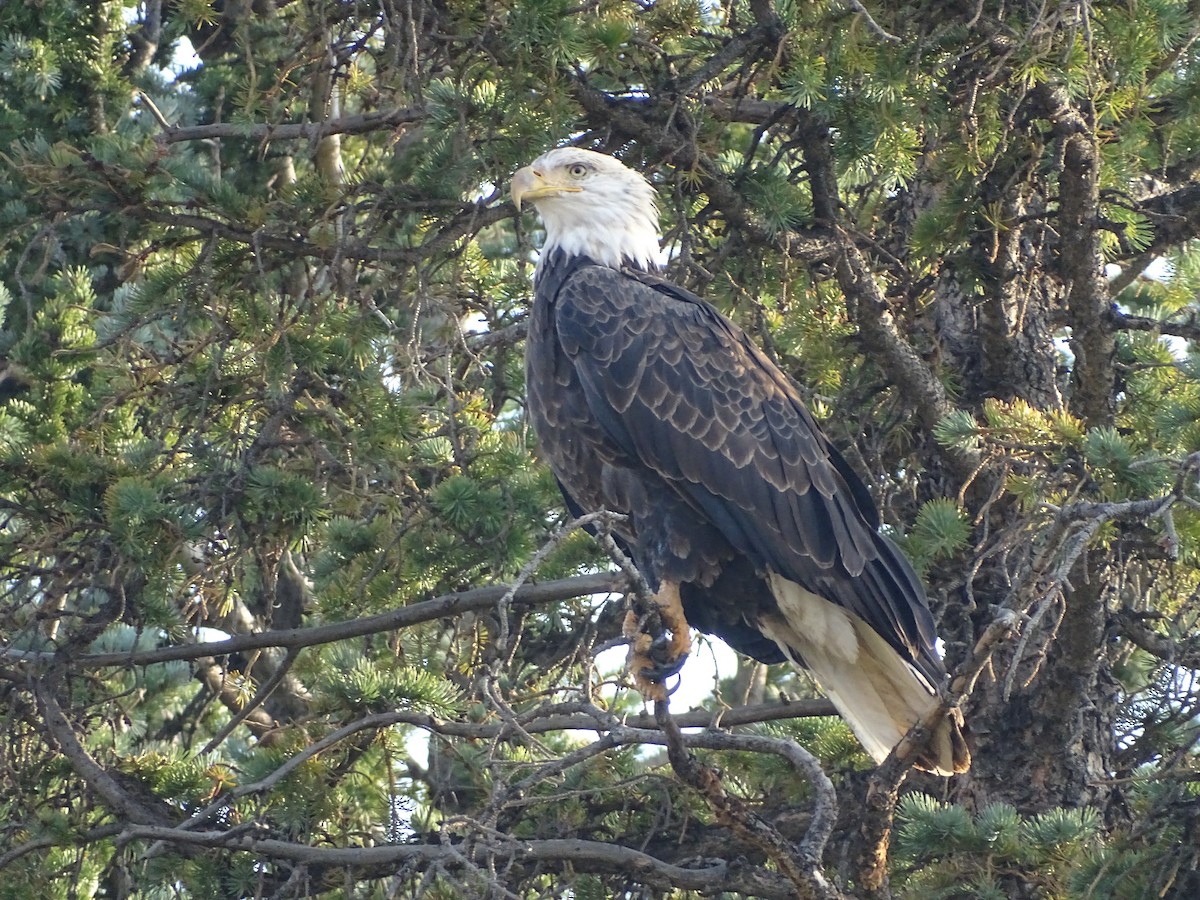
{"points": [[878, 693]]}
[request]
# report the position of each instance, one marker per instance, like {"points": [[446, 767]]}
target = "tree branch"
{"points": [[883, 341], [1131, 626], [1188, 328], [471, 219], [581, 855], [99, 833], [313, 131], [647, 869], [633, 729], [800, 863], [883, 788], [1087, 294], [865, 302], [874, 27], [120, 800], [1175, 216], [403, 617]]}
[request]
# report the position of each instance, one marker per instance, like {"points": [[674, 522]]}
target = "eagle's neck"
{"points": [[609, 237]]}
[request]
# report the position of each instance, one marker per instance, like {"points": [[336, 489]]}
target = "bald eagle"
{"points": [[741, 515]]}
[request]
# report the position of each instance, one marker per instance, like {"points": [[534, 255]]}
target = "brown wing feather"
{"points": [[682, 390]]}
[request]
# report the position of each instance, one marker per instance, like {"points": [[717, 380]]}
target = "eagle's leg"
{"points": [[653, 660]]}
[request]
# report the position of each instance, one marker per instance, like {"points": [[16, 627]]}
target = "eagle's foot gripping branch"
{"points": [[652, 660]]}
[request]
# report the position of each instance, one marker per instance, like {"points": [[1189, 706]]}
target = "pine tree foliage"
{"points": [[954, 854], [1061, 852], [262, 439]]}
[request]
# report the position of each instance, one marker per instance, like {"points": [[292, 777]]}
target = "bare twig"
{"points": [[874, 27], [634, 729], [800, 863], [154, 110], [603, 519]]}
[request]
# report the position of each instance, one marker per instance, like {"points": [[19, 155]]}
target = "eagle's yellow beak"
{"points": [[530, 184]]}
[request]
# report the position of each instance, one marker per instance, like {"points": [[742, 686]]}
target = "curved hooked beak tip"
{"points": [[530, 184]]}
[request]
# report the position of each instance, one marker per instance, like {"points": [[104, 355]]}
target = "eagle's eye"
{"points": [[577, 170]]}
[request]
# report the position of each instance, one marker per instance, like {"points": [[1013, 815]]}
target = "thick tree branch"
{"points": [[878, 330], [581, 855], [1187, 328], [1175, 216], [472, 218], [883, 342], [748, 110], [403, 617], [1132, 626], [123, 803], [1092, 340], [266, 132], [146, 38]]}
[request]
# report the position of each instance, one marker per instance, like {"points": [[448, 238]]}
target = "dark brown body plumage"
{"points": [[650, 403]]}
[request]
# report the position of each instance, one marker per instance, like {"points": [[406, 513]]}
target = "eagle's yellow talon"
{"points": [[653, 660]]}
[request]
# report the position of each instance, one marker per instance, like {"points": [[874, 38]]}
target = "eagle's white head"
{"points": [[591, 205]]}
